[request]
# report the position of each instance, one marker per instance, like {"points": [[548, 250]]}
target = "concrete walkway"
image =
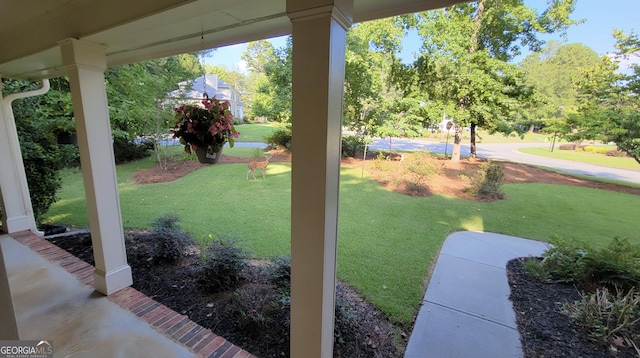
{"points": [[466, 310], [54, 300]]}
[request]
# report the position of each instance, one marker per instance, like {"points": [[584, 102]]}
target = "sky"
{"points": [[601, 18]]}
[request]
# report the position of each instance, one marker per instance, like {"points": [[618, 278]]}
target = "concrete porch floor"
{"points": [[54, 300]]}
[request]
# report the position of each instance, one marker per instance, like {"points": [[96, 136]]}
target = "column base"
{"points": [[113, 281], [8, 324], [21, 223]]}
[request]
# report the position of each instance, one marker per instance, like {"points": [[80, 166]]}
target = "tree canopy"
{"points": [[464, 66], [609, 101]]}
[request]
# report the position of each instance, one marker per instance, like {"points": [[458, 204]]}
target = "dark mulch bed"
{"points": [[544, 330], [238, 316]]}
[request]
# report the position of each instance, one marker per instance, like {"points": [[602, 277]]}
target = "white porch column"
{"points": [[85, 64], [8, 325], [14, 191], [319, 46]]}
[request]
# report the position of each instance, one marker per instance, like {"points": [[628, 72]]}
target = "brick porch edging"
{"points": [[179, 328]]}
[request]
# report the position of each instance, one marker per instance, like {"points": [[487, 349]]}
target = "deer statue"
{"points": [[257, 165]]}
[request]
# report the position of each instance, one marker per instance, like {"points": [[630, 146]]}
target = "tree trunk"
{"points": [[473, 140], [455, 154], [473, 46]]}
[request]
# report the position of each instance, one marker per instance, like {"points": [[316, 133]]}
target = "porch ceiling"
{"points": [[140, 30]]}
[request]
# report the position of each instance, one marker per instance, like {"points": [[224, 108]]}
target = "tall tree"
{"points": [[258, 54], [272, 97], [135, 90], [553, 72], [610, 101], [464, 64]]}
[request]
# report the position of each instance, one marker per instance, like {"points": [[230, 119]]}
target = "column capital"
{"points": [[341, 11], [83, 54]]}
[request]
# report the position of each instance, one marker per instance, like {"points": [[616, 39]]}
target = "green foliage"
{"points": [[607, 317], [402, 117], [343, 320], [554, 71], [222, 265], [272, 97], [464, 67], [488, 180], [258, 54], [171, 243], [617, 266], [41, 162], [422, 170], [382, 162], [608, 103], [280, 273], [126, 150], [363, 74], [69, 156], [562, 262], [280, 138], [40, 152], [351, 144], [135, 90]]}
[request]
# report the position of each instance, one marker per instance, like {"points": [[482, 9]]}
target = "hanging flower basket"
{"points": [[205, 129], [208, 155]]}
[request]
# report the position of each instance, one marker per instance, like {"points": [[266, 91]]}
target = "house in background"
{"points": [[194, 91]]}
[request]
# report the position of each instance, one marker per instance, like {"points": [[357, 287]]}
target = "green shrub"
{"points": [[562, 262], [382, 162], [608, 317], [616, 266], [41, 163], [69, 156], [352, 144], [344, 321], [222, 266], [280, 272], [280, 138], [171, 243], [422, 169], [126, 150], [488, 180]]}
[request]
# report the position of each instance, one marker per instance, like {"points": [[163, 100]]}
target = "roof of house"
{"points": [[209, 84]]}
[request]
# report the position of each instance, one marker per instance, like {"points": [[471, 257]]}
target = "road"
{"points": [[507, 151], [510, 152]]}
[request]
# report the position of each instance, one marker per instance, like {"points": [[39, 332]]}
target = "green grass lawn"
{"points": [[387, 241], [584, 157], [256, 132]]}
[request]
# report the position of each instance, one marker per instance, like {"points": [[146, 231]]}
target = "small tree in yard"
{"points": [[421, 169], [487, 183]]}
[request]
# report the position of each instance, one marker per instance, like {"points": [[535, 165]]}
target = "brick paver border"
{"points": [[179, 328]]}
